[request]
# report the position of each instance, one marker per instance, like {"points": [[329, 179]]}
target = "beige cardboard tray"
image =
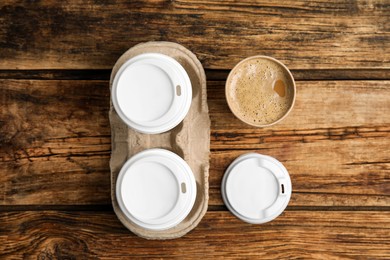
{"points": [[190, 139]]}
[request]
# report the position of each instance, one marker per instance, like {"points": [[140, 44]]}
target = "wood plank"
{"points": [[295, 234], [56, 142], [335, 143], [92, 35], [330, 106]]}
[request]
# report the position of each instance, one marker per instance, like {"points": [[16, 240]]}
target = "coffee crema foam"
{"points": [[260, 91]]}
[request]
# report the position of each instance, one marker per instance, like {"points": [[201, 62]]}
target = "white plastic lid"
{"points": [[156, 189], [256, 188], [151, 93]]}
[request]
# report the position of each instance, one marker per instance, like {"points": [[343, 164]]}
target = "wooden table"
{"points": [[55, 61]]}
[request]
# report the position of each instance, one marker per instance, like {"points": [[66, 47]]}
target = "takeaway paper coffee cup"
{"points": [[151, 93], [260, 91], [156, 189], [256, 188]]}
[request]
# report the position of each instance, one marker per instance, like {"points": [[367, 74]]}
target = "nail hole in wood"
{"points": [[178, 90]]}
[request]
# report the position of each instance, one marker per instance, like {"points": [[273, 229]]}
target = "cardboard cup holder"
{"points": [[172, 133]]}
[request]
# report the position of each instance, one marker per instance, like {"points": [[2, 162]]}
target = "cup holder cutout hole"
{"points": [[178, 90], [183, 187]]}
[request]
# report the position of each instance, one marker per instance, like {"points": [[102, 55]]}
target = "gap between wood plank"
{"points": [[104, 74], [108, 207]]}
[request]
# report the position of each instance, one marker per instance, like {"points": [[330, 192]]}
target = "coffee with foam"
{"points": [[260, 91]]}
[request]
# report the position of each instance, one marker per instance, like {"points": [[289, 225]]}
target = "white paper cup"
{"points": [[151, 93], [156, 189], [256, 188]]}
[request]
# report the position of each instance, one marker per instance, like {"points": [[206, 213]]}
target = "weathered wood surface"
{"points": [[79, 34], [55, 142], [55, 62], [295, 234]]}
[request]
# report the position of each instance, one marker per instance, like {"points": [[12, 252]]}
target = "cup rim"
{"points": [[184, 201], [180, 109], [286, 70], [282, 179]]}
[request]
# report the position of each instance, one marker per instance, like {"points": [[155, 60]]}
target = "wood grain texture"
{"points": [[55, 61], [335, 143], [99, 235], [54, 142], [335, 139], [93, 34]]}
